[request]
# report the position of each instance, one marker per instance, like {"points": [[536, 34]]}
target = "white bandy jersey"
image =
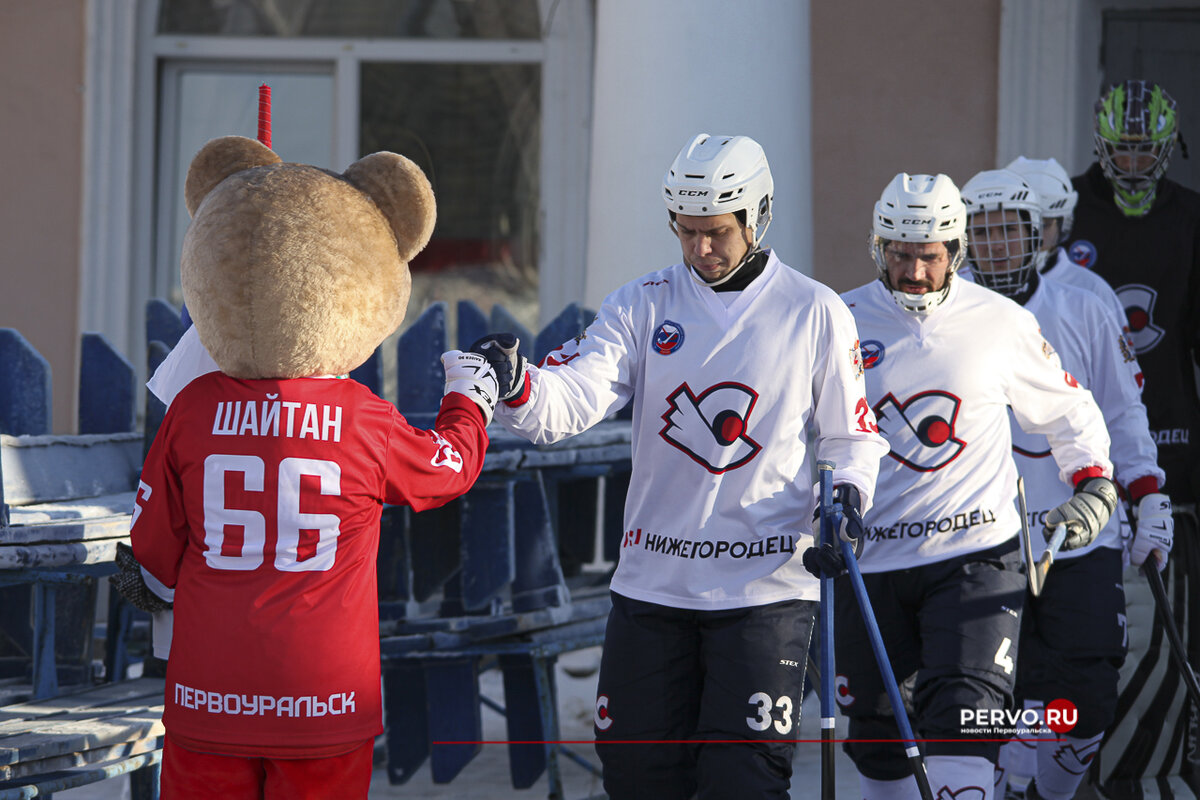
{"points": [[1064, 270], [725, 397], [1092, 348], [187, 361], [940, 385]]}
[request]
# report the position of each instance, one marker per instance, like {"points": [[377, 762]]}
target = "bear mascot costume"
{"points": [[259, 503]]}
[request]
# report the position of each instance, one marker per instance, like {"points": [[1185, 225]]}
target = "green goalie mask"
{"points": [[1136, 126]]}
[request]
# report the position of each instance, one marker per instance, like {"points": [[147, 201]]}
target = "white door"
{"points": [[1162, 46]]}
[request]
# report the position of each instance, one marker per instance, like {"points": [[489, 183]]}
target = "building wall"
{"points": [[667, 71], [41, 119], [894, 91]]}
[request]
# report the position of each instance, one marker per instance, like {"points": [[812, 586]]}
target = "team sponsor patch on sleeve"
{"points": [[856, 362], [1123, 343], [1047, 349]]}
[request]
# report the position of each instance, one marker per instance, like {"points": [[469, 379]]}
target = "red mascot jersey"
{"points": [[260, 503]]}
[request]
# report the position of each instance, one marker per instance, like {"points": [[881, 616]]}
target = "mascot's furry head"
{"points": [[290, 270]]}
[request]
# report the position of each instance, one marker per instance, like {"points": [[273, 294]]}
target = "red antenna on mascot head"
{"points": [[264, 114]]}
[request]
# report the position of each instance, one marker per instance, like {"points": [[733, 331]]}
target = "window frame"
{"points": [[122, 181]]}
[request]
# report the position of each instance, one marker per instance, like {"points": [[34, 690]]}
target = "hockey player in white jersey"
{"points": [[1073, 634], [1056, 199], [944, 360], [732, 361]]}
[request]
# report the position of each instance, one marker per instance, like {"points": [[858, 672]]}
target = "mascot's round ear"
{"points": [[219, 159], [402, 192]]}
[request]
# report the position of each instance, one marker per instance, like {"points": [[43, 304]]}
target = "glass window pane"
{"points": [[474, 130], [222, 101], [426, 19]]}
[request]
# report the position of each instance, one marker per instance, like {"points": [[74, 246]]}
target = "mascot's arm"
{"points": [[427, 469], [159, 529]]}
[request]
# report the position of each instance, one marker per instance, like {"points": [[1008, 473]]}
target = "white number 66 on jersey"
{"points": [[289, 519]]}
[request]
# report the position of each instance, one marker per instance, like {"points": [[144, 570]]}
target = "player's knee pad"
{"points": [[1089, 683], [1093, 691], [875, 748], [647, 770], [940, 703], [744, 769], [899, 789]]}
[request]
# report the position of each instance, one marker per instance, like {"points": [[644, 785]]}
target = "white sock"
{"points": [[960, 777], [901, 789], [1018, 758], [1062, 765]]}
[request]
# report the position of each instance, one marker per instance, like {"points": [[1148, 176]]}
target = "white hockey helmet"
{"points": [[715, 175], [1004, 250], [919, 208], [1053, 186]]}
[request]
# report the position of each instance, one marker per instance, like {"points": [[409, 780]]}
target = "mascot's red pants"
{"points": [[189, 775]]}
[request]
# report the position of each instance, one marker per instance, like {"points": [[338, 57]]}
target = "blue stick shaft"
{"points": [[825, 483], [885, 670]]}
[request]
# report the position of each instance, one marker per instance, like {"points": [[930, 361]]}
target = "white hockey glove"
{"points": [[472, 376], [1085, 514], [1155, 530], [500, 349]]}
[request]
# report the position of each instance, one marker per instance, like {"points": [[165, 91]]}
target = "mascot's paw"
{"points": [[132, 586]]}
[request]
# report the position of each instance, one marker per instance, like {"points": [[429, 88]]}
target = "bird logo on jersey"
{"points": [[668, 338], [710, 427], [1083, 253], [1076, 760], [944, 792], [1138, 301], [872, 353], [921, 429]]}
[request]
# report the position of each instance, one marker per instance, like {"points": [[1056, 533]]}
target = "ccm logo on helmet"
{"points": [[692, 192], [915, 221]]}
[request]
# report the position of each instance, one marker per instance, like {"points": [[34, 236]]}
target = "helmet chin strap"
{"points": [[754, 248], [729, 276], [919, 304]]}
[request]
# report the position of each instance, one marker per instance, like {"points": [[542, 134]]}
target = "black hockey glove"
{"points": [[128, 581], [826, 561], [500, 349], [1084, 514]]}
